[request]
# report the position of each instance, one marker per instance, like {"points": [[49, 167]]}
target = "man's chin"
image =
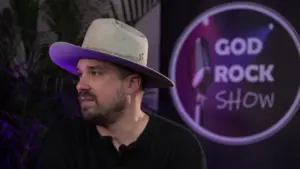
{"points": [[95, 119]]}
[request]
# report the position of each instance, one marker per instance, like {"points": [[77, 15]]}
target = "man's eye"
{"points": [[94, 73]]}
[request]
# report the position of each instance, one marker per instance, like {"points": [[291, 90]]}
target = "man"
{"points": [[114, 132]]}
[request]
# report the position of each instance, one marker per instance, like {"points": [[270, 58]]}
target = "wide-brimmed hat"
{"points": [[112, 41]]}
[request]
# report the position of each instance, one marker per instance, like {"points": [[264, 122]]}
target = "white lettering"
{"points": [[266, 101], [221, 74], [234, 100], [221, 47], [266, 73], [248, 74], [237, 73], [238, 46], [248, 102], [251, 50]]}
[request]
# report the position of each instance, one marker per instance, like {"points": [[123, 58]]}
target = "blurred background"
{"points": [[245, 123]]}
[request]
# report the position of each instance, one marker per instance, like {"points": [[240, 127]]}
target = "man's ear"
{"points": [[133, 83]]}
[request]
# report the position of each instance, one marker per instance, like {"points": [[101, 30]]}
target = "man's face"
{"points": [[101, 92]]}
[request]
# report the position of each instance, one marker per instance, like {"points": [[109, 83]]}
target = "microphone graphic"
{"points": [[203, 77]]}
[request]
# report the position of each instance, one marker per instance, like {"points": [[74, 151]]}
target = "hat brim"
{"points": [[67, 55]]}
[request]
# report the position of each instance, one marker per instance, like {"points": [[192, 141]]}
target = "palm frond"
{"points": [[64, 18], [9, 39], [128, 11], [26, 15], [134, 10]]}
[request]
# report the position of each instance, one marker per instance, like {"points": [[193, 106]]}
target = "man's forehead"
{"points": [[91, 63]]}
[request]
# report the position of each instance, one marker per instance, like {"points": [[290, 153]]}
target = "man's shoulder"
{"points": [[172, 130], [183, 146]]}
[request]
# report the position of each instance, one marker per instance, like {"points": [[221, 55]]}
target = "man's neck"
{"points": [[127, 129]]}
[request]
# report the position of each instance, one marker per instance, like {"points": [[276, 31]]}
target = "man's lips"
{"points": [[86, 99]]}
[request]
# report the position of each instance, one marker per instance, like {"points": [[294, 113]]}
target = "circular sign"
{"points": [[235, 69]]}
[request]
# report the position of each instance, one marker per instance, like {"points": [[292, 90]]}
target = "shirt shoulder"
{"points": [[171, 130], [176, 136], [185, 149]]}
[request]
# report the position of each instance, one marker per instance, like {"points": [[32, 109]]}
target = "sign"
{"points": [[233, 85]]}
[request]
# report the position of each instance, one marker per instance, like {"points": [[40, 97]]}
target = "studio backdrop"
{"points": [[235, 65]]}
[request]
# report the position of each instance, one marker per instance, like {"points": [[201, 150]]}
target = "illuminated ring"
{"points": [[172, 74]]}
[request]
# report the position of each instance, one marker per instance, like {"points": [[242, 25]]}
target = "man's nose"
{"points": [[82, 85]]}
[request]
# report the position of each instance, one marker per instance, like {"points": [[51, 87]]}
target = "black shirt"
{"points": [[163, 144]]}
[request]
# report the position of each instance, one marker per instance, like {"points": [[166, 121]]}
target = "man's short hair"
{"points": [[125, 72]]}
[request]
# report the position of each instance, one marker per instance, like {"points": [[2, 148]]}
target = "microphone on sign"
{"points": [[203, 77]]}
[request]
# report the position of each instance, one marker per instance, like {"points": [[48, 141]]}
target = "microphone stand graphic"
{"points": [[203, 77]]}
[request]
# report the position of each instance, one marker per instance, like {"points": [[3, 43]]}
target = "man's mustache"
{"points": [[86, 94]]}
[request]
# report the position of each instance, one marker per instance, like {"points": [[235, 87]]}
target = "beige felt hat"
{"points": [[112, 41]]}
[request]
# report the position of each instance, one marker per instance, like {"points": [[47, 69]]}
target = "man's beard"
{"points": [[100, 114]]}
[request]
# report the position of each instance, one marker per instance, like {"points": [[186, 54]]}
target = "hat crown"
{"points": [[118, 39]]}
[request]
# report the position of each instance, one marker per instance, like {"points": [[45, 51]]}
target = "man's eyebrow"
{"points": [[99, 66]]}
